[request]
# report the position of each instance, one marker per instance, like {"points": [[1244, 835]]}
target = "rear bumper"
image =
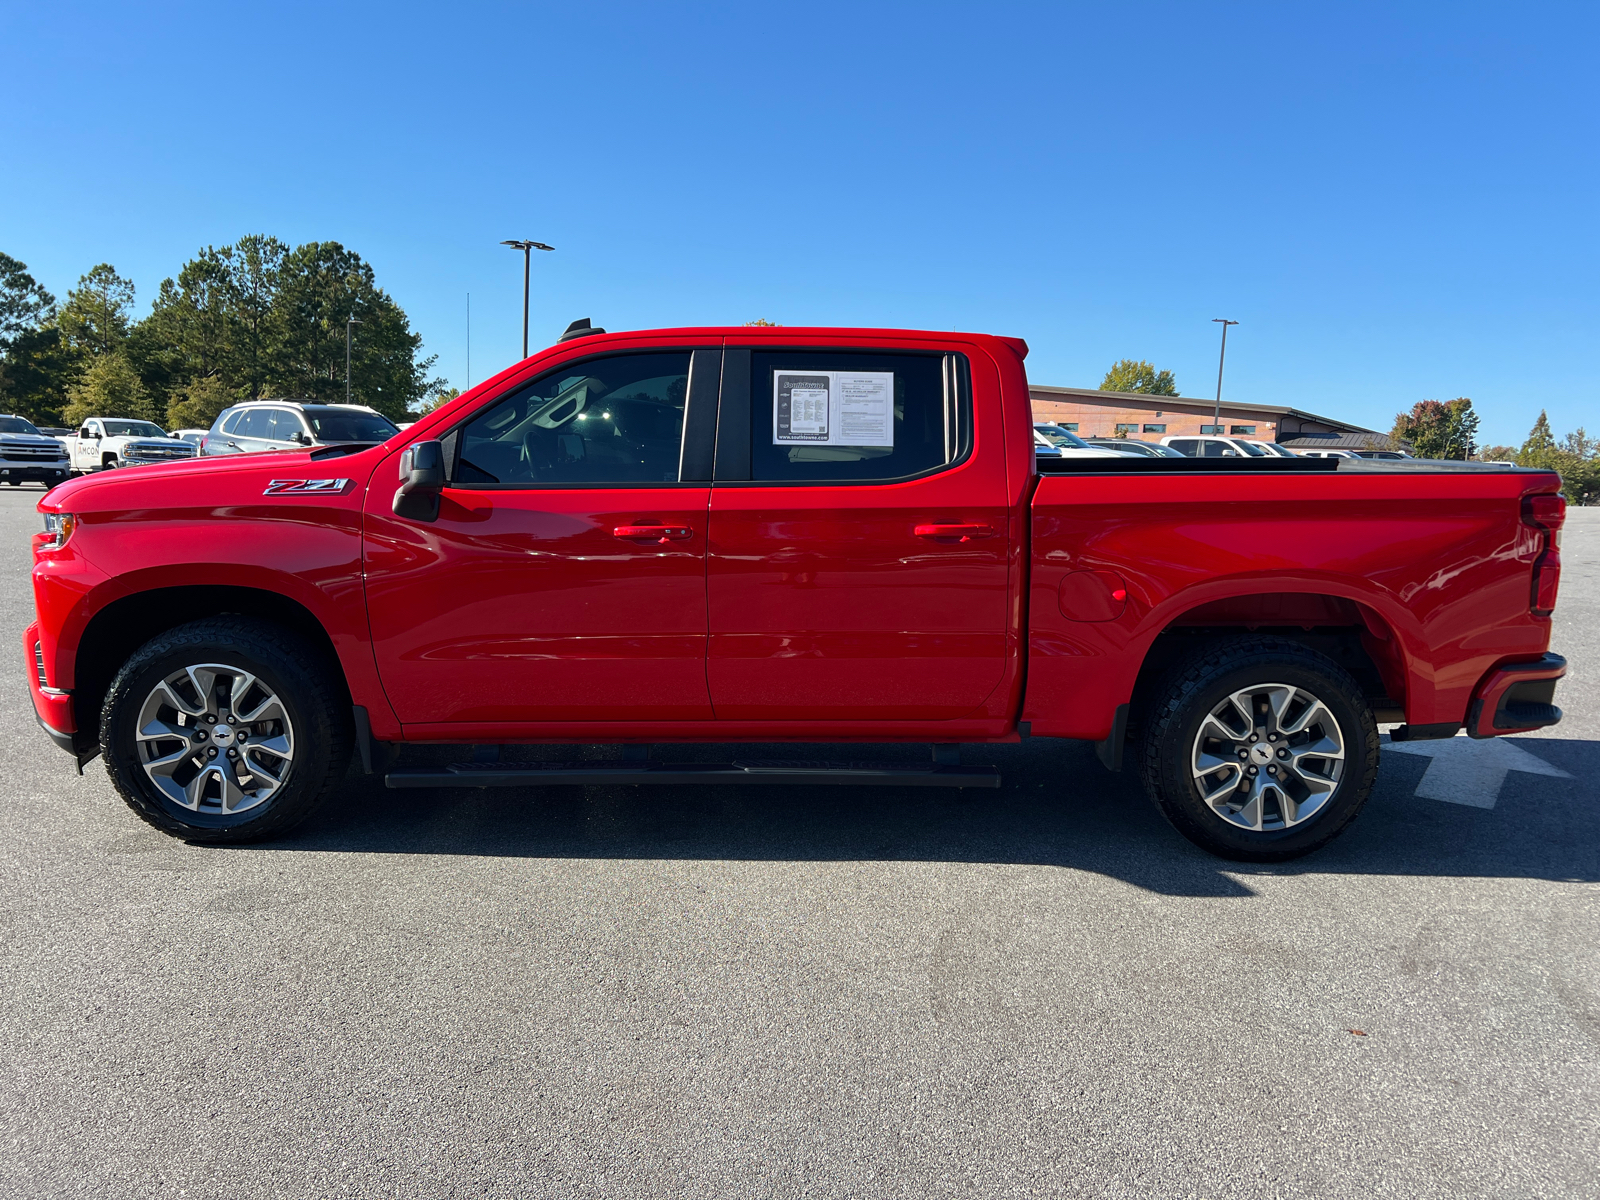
{"points": [[1516, 698]]}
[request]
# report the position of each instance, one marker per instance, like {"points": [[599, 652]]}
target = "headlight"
{"points": [[59, 526]]}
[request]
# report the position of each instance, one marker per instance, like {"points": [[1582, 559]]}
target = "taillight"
{"points": [[1545, 512]]}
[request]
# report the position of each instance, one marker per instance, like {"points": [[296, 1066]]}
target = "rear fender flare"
{"points": [[1385, 619]]}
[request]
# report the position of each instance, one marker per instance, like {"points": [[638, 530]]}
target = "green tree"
{"points": [[97, 314], [39, 367], [1540, 439], [1574, 458], [1129, 375], [1439, 429], [1580, 444], [24, 305], [220, 317], [323, 284], [268, 320], [34, 365], [198, 404], [440, 398], [110, 387]]}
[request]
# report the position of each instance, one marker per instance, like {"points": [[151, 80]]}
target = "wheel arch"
{"points": [[123, 625], [1354, 629]]}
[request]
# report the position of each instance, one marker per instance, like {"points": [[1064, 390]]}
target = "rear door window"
{"points": [[257, 423], [824, 416], [616, 420], [1184, 445]]}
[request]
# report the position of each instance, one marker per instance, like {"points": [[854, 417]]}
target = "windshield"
{"points": [[335, 425], [16, 425], [1058, 436], [133, 429]]}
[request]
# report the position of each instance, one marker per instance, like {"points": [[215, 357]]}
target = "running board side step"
{"points": [[748, 772]]}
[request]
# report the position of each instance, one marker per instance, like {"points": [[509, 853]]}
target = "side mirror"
{"points": [[422, 469], [300, 438], [86, 433]]}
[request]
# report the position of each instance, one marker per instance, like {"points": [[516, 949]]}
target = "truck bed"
{"points": [[1130, 464]]}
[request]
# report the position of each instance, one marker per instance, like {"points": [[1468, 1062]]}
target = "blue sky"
{"points": [[1398, 202]]}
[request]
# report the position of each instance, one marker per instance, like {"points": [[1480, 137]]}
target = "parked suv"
{"points": [[258, 425], [28, 455]]}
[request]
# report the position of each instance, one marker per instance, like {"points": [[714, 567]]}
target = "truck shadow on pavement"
{"points": [[1058, 808]]}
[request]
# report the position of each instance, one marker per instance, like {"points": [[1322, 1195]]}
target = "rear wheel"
{"points": [[215, 733], [1260, 749]]}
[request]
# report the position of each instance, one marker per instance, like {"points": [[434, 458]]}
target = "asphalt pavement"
{"points": [[823, 993]]}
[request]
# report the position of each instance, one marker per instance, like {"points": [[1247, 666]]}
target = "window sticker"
{"points": [[833, 408]]}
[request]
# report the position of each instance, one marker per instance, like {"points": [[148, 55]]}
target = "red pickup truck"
{"points": [[782, 535]]}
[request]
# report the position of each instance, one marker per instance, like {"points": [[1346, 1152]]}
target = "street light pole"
{"points": [[1216, 412], [526, 247], [348, 322]]}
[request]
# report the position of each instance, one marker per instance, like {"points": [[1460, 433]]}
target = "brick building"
{"points": [[1091, 413]]}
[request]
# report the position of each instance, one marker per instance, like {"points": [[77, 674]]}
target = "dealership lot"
{"points": [[839, 992]]}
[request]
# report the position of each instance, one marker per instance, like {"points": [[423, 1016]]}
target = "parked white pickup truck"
{"points": [[106, 442]]}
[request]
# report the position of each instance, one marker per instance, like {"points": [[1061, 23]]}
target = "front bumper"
{"points": [[1516, 698], [136, 459], [34, 472], [52, 706]]}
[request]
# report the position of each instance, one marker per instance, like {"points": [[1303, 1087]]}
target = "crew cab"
{"points": [[781, 535], [103, 443]]}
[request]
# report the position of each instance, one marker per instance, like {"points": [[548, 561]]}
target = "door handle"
{"points": [[956, 533], [655, 533]]}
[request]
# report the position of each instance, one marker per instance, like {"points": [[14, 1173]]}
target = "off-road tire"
{"points": [[320, 716], [1205, 679]]}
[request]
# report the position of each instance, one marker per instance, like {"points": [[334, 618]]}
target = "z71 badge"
{"points": [[298, 487]]}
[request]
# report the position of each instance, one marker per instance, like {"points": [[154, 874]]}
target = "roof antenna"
{"points": [[578, 329]]}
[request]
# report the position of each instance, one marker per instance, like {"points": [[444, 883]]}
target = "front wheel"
{"points": [[1260, 749], [215, 732]]}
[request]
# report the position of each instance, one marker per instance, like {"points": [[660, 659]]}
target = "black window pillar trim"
{"points": [[697, 456], [733, 417]]}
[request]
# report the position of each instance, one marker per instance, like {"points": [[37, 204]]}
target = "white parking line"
{"points": [[1465, 770]]}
